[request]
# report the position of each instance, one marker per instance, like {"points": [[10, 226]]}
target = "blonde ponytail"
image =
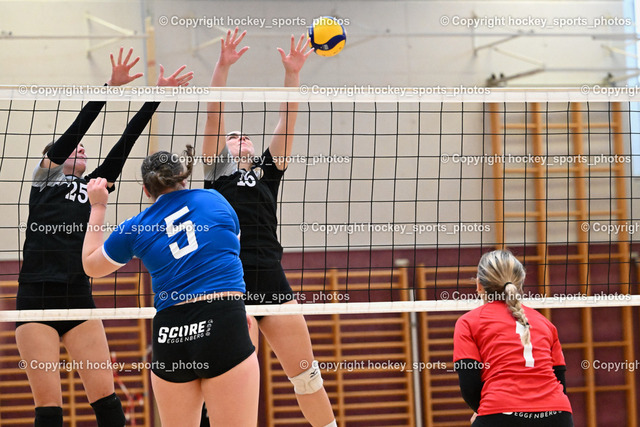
{"points": [[513, 304], [502, 277]]}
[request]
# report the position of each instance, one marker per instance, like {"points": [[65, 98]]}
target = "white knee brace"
{"points": [[309, 381]]}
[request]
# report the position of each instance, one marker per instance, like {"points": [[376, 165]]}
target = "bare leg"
{"points": [[232, 398], [254, 331], [87, 345], [254, 334], [179, 404], [39, 346], [289, 338]]}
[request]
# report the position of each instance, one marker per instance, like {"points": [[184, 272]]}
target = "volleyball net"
{"points": [[389, 200]]}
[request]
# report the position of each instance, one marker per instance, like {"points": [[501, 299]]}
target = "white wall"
{"points": [[401, 42], [390, 43]]}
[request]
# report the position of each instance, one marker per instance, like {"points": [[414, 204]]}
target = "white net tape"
{"points": [[315, 93], [325, 309]]}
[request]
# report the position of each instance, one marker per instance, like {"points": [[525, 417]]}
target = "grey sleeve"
{"points": [[47, 176], [220, 165]]}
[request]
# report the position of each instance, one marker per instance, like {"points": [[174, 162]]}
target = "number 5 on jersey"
{"points": [[187, 227]]}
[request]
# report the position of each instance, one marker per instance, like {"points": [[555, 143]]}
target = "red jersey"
{"points": [[517, 378]]}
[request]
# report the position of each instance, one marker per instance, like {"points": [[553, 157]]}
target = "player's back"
{"points": [[189, 242], [516, 377]]}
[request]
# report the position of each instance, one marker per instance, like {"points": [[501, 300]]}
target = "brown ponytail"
{"points": [[163, 170]]}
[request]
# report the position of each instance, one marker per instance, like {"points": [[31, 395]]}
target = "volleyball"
{"points": [[327, 36]]}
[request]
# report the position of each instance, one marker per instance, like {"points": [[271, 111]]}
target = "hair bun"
{"points": [[163, 170]]}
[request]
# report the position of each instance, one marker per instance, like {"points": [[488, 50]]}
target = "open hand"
{"points": [[228, 53], [174, 79], [294, 61], [120, 70]]}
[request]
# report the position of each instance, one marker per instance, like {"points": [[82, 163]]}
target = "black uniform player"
{"points": [[52, 277], [253, 193], [58, 213], [251, 187]]}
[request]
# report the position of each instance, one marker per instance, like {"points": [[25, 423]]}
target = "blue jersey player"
{"points": [[189, 242]]}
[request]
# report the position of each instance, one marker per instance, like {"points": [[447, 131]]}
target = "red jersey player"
{"points": [[508, 356]]}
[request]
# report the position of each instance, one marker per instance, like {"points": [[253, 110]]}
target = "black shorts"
{"points": [[526, 419], [201, 339], [54, 295], [267, 285]]}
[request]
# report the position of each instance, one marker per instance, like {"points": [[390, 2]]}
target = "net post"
{"points": [[498, 173]]}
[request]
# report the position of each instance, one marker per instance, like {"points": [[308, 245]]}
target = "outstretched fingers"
{"points": [[182, 80], [135, 61], [300, 43], [244, 33], [120, 69], [283, 55], [126, 59], [311, 50], [229, 35], [178, 71], [228, 46], [175, 79]]}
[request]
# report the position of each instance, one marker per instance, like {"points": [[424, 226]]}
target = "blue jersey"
{"points": [[189, 242]]}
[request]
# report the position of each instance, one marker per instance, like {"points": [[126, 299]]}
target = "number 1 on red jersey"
{"points": [[528, 348]]}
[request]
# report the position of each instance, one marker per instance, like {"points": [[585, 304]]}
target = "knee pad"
{"points": [[48, 416], [109, 412], [309, 381]]}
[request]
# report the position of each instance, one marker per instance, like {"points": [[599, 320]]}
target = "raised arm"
{"points": [[112, 165], [94, 262], [214, 134], [64, 146], [282, 140]]}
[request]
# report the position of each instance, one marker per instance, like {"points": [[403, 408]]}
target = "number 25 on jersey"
{"points": [[78, 192]]}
